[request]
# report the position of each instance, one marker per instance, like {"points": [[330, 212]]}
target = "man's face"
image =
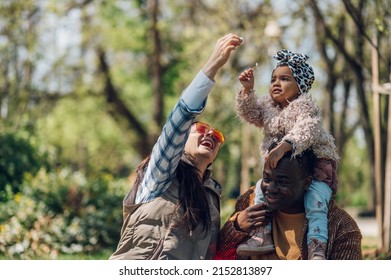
{"points": [[284, 186]]}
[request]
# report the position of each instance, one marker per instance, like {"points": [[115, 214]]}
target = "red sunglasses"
{"points": [[204, 128]]}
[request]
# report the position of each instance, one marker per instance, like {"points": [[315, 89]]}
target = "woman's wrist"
{"points": [[210, 69]]}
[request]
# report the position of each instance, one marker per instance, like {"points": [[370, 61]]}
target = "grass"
{"points": [[102, 255], [370, 251], [368, 248]]}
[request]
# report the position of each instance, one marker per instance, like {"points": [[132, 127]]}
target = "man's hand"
{"points": [[254, 216]]}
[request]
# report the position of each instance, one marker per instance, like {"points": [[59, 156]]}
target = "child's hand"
{"points": [[277, 153], [246, 78]]}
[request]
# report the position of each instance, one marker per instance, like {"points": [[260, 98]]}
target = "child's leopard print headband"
{"points": [[302, 71]]}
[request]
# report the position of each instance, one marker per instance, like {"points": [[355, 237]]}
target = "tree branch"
{"points": [[357, 19], [329, 34], [117, 107]]}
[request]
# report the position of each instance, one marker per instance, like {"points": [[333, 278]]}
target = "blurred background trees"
{"points": [[85, 87]]}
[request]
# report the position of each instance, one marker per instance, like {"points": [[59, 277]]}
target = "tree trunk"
{"points": [[118, 109], [155, 63]]}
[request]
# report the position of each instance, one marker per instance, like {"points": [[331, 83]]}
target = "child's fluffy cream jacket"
{"points": [[300, 123]]}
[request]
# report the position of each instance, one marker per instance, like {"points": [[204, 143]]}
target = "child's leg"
{"points": [[258, 193], [261, 241], [316, 202], [259, 198]]}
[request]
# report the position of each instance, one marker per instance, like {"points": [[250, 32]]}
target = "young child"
{"points": [[289, 117]]}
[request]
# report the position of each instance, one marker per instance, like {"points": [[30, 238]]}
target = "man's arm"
{"points": [[230, 236]]}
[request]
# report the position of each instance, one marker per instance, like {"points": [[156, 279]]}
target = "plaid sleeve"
{"points": [[169, 147]]}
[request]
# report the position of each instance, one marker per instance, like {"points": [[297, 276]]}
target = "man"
{"points": [[284, 188]]}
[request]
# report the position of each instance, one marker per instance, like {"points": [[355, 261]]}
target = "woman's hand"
{"points": [[221, 54]]}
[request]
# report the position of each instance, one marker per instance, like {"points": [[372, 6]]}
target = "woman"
{"points": [[172, 211]]}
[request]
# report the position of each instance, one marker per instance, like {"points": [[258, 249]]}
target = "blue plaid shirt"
{"points": [[168, 149]]}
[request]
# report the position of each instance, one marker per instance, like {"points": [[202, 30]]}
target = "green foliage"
{"points": [[354, 186], [82, 136], [62, 213], [18, 157]]}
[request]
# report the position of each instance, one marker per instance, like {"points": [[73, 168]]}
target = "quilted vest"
{"points": [[148, 230]]}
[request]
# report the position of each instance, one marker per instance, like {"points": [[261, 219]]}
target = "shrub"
{"points": [[18, 157], [61, 212]]}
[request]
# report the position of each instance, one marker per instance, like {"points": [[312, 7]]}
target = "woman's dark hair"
{"points": [[192, 194]]}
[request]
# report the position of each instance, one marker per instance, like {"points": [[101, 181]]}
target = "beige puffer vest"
{"points": [[148, 232]]}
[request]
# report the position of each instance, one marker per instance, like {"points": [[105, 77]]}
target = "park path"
{"points": [[367, 225]]}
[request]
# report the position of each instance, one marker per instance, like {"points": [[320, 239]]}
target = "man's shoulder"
{"points": [[246, 198], [344, 235], [341, 218], [337, 211]]}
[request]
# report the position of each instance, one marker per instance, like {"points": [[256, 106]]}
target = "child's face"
{"points": [[283, 87]]}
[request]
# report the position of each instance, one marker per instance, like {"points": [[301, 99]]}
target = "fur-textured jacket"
{"points": [[299, 123]]}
